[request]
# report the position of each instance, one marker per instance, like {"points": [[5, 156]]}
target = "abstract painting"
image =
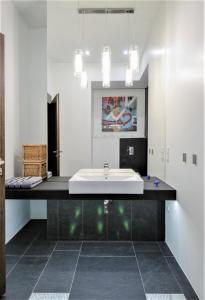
{"points": [[119, 114]]}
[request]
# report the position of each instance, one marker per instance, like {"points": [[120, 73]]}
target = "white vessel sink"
{"points": [[100, 181]]}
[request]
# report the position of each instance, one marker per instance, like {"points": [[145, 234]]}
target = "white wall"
{"points": [[204, 159], [38, 209], [16, 74], [185, 102], [174, 54]]}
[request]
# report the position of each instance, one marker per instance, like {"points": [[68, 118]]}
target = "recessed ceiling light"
{"points": [[87, 52], [125, 52]]}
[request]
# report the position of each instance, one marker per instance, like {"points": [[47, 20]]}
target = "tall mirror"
{"points": [[120, 124]]}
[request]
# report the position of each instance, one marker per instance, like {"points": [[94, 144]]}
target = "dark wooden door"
{"points": [[2, 169], [54, 136]]}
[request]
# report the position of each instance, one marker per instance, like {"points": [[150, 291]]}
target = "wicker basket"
{"points": [[34, 169], [37, 153]]}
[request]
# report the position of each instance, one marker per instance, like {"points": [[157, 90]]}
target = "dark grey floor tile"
{"points": [[107, 249], [19, 244], [165, 249], [58, 274], [143, 247], [182, 279], [68, 245], [35, 226], [23, 278], [106, 278], [41, 247], [156, 274], [11, 261]]}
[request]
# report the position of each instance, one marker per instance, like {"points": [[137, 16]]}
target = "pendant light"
{"points": [[84, 80], [134, 58], [84, 75], [128, 78], [133, 51], [106, 66], [78, 62], [106, 60], [79, 71]]}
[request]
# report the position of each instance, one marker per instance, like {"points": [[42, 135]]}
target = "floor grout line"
{"points": [[22, 255], [75, 269], [35, 255], [13, 255], [67, 250], [106, 241], [105, 256], [139, 269], [49, 257]]}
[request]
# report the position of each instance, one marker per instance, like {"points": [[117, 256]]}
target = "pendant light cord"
{"points": [[128, 29], [83, 30]]}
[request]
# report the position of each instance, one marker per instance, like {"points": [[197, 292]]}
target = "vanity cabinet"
{"points": [[94, 220], [121, 220], [148, 220], [70, 220], [119, 225], [113, 225]]}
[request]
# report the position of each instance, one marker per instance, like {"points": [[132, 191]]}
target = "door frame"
{"points": [[2, 177], [56, 100]]}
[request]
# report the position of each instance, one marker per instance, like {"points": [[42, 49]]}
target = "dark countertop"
{"points": [[57, 188]]}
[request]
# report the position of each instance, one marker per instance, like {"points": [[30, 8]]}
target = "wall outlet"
{"points": [[184, 157], [194, 159]]}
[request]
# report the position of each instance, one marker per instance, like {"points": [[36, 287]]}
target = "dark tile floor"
{"points": [[62, 270]]}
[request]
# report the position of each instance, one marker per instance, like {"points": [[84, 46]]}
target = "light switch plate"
{"points": [[131, 150]]}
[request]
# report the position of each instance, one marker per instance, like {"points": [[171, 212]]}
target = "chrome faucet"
{"points": [[107, 166], [106, 169]]}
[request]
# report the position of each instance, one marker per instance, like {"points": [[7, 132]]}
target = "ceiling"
{"points": [[34, 12], [65, 32]]}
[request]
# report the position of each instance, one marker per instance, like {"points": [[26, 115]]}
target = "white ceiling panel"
{"points": [[67, 30]]}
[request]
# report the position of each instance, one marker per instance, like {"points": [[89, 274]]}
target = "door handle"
{"points": [[57, 151]]}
